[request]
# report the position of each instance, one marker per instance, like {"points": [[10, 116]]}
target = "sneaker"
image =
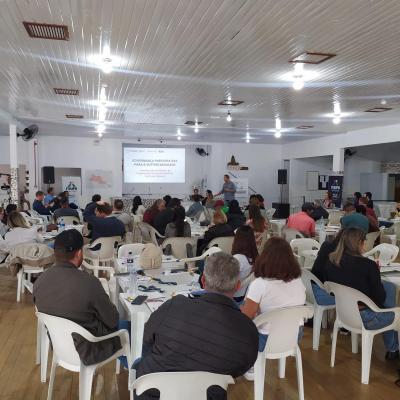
{"points": [[249, 375]]}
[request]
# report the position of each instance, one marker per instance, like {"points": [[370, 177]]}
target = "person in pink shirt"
{"points": [[302, 221]]}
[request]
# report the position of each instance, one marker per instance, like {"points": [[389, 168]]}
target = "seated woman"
{"points": [[137, 206], [258, 223], [3, 227], [219, 228], [178, 228], [209, 201], [347, 266], [235, 216], [151, 213], [20, 232], [278, 284], [328, 200]]}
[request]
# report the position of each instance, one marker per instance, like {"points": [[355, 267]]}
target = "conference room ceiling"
{"points": [[175, 60]]}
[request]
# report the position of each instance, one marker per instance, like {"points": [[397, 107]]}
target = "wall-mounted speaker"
{"points": [[48, 175], [282, 176]]}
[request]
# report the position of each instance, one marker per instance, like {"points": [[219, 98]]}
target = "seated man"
{"points": [[206, 333], [67, 292], [119, 213], [102, 222], [196, 193], [302, 220], [49, 196], [319, 211], [353, 219], [38, 204], [95, 199], [164, 217], [64, 210], [195, 208]]}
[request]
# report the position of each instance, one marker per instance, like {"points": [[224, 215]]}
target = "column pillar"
{"points": [[14, 163], [338, 162]]}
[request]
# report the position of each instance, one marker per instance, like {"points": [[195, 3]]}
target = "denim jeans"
{"points": [[262, 339], [373, 320], [322, 297]]}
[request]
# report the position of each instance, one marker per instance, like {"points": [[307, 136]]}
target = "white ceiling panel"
{"points": [[177, 59]]}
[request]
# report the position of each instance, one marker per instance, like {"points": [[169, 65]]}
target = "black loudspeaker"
{"points": [[282, 210], [282, 176], [48, 175]]}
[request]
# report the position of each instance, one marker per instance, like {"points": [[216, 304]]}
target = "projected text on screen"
{"points": [[152, 165]]}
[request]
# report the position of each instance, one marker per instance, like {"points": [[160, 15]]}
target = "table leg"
{"points": [[137, 330]]}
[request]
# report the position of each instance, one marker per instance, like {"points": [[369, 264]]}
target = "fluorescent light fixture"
{"points": [[336, 120], [103, 97], [298, 76], [336, 108], [100, 128], [278, 124], [278, 134]]}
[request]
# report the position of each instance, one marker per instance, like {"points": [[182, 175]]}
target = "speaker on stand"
{"points": [[48, 175], [282, 209]]}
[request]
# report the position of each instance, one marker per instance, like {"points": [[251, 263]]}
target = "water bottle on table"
{"points": [[62, 225], [133, 286]]}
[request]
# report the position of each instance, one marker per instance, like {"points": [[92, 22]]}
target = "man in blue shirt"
{"points": [[38, 204], [49, 196], [228, 190]]}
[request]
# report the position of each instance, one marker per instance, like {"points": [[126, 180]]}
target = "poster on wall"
{"points": [[74, 186], [98, 179], [335, 186], [323, 182], [242, 186]]}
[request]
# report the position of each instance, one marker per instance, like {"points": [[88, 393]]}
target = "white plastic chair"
{"points": [[276, 228], [69, 220], [387, 253], [134, 248], [303, 244], [66, 356], [149, 234], [207, 253], [289, 234], [224, 243], [370, 240], [348, 317], [105, 255], [181, 385], [24, 279], [42, 349], [281, 343], [308, 278], [244, 284], [178, 245], [270, 213], [335, 217]]}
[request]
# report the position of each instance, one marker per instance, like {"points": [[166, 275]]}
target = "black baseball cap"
{"points": [[68, 241]]}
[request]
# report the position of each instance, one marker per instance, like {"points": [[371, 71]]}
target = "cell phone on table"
{"points": [[137, 301]]}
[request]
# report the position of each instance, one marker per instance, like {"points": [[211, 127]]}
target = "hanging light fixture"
{"points": [[337, 113], [100, 128], [298, 76]]}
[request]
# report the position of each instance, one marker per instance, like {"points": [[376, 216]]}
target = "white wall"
{"points": [[5, 151], [263, 162]]}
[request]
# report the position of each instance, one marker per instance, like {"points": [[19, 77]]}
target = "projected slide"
{"points": [[152, 165]]}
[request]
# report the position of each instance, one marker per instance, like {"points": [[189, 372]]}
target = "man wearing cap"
{"points": [[67, 292], [302, 220]]}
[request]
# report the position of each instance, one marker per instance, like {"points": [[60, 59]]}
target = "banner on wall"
{"points": [[335, 186], [242, 186], [74, 186]]}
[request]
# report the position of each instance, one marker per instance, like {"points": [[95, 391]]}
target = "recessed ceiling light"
{"points": [[229, 117], [305, 127], [312, 57], [229, 102], [378, 109], [100, 128]]}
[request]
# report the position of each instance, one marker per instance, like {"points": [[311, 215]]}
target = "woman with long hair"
{"points": [[348, 267], [328, 200], [178, 227], [235, 215], [20, 231], [278, 284], [244, 249], [137, 206], [258, 223], [151, 213]]}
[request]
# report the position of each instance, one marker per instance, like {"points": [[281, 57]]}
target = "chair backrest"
{"points": [[224, 243], [181, 385], [370, 240], [134, 248], [299, 245], [387, 253], [289, 234], [178, 244], [308, 278], [69, 220], [283, 329], [149, 234], [244, 284], [335, 217], [60, 331], [346, 299], [108, 246], [276, 228], [270, 213]]}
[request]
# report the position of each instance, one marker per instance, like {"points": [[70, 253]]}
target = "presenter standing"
{"points": [[228, 190]]}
